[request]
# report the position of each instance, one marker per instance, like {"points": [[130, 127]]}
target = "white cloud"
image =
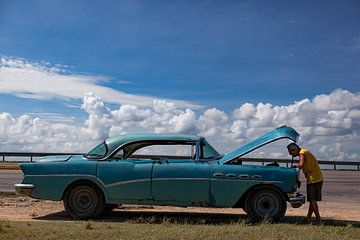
{"points": [[263, 116], [329, 125], [100, 119], [246, 111], [40, 80], [337, 100], [184, 122], [211, 123]]}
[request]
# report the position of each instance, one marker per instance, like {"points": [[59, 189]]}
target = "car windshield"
{"points": [[98, 152]]}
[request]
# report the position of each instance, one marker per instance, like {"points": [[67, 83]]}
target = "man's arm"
{"points": [[301, 162]]}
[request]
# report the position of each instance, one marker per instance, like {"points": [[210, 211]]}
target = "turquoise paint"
{"points": [[161, 182], [181, 182], [225, 191], [52, 187], [126, 179], [52, 177]]}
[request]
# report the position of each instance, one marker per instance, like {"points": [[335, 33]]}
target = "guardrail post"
{"points": [[3, 158], [31, 158], [358, 167], [334, 166]]}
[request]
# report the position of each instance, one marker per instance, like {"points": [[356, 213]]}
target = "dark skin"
{"points": [[313, 207]]}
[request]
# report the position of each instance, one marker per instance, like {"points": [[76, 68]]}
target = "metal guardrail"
{"points": [[263, 161], [288, 162], [31, 155]]}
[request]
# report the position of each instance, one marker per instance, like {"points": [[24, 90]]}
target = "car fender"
{"points": [[241, 202]]}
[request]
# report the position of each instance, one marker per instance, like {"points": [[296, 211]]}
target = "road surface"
{"points": [[8, 178]]}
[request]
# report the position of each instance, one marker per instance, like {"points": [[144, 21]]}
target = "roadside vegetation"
{"points": [[5, 167], [175, 228]]}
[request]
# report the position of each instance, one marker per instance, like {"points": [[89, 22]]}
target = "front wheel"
{"points": [[84, 202], [265, 203]]}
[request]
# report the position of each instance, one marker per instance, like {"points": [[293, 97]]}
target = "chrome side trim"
{"points": [[24, 189], [240, 180], [124, 182], [70, 175], [154, 179], [115, 184], [179, 179]]}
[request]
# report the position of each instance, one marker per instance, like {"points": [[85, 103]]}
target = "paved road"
{"points": [[8, 178], [338, 185]]}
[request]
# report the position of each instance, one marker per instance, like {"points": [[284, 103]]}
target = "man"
{"points": [[314, 179]]}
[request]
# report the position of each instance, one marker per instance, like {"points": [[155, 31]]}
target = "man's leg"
{"points": [[310, 212], [315, 208]]}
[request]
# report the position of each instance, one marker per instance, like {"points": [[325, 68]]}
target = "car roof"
{"points": [[114, 142]]}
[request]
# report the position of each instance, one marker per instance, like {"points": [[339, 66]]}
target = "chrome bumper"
{"points": [[24, 189], [297, 201]]}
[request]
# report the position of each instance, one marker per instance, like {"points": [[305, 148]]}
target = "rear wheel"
{"points": [[84, 201], [265, 203]]}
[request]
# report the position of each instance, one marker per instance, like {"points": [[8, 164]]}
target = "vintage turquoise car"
{"points": [[164, 169]]}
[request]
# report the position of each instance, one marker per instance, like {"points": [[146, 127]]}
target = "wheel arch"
{"points": [[241, 202], [87, 182]]}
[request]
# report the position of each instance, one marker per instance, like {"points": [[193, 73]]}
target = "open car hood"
{"points": [[276, 134]]}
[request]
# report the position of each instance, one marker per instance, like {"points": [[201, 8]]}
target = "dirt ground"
{"points": [[15, 208]]}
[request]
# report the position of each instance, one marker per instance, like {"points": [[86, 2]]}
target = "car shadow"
{"points": [[187, 217]]}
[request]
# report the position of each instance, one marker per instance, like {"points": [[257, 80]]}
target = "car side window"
{"points": [[208, 152], [119, 154], [165, 152], [98, 152]]}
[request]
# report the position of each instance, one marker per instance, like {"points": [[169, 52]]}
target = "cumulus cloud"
{"points": [[336, 100], [246, 111], [40, 80], [100, 119], [329, 125]]}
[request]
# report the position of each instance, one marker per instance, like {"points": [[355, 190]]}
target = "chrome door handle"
{"points": [[231, 175], [257, 177], [218, 175], [244, 176]]}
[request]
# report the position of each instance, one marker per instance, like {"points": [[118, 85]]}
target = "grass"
{"points": [[172, 228]]}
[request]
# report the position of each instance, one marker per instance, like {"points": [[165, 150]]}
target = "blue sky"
{"points": [[75, 71], [212, 53]]}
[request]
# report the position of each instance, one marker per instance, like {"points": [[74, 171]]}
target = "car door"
{"points": [[180, 180], [126, 180]]}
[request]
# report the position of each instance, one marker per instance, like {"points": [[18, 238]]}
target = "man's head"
{"points": [[293, 149]]}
